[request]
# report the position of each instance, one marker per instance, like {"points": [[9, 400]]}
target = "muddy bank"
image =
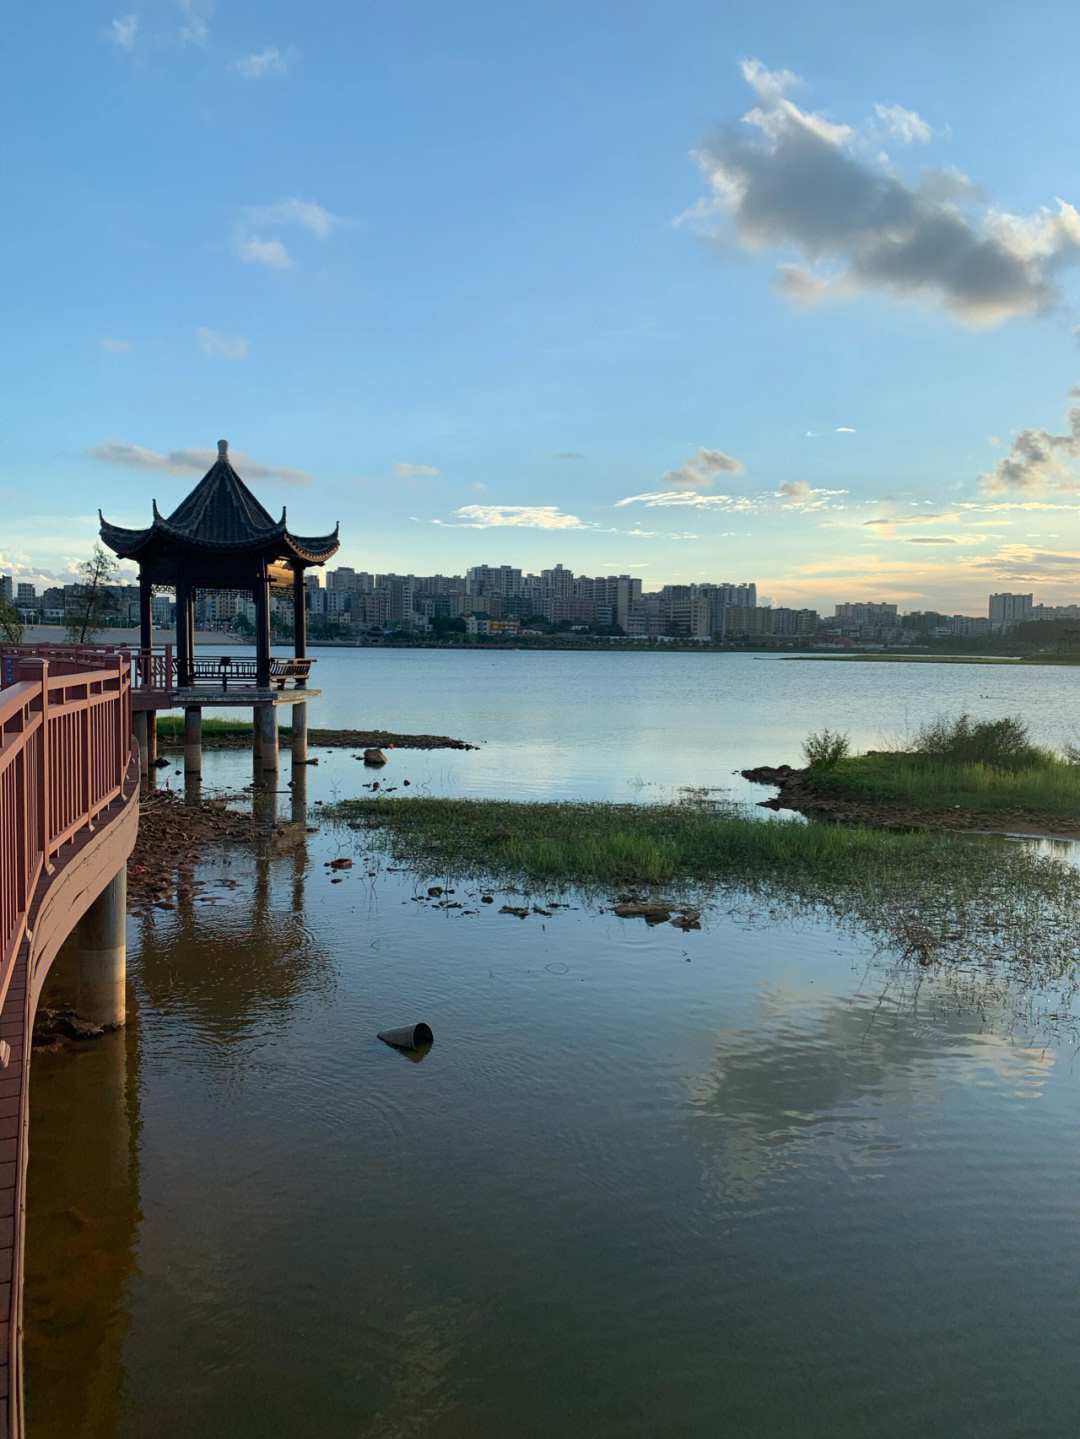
{"points": [[328, 738], [175, 834], [795, 794]]}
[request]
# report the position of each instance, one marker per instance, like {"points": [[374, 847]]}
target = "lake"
{"points": [[760, 1179]]}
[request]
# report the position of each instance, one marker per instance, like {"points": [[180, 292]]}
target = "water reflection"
{"points": [[835, 1084], [82, 1226]]}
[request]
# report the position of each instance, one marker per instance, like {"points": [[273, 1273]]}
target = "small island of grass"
{"points": [[955, 775]]}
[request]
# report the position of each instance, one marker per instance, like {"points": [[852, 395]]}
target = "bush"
{"points": [[825, 750], [999, 744]]}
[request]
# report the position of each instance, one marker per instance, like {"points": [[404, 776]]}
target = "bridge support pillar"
{"points": [[101, 956], [151, 737], [299, 735], [193, 739], [256, 742], [266, 728], [139, 725]]}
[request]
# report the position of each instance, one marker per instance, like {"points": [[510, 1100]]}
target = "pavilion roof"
{"points": [[221, 515]]}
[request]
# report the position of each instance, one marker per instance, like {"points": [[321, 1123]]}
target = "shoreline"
{"points": [[238, 735], [793, 794]]}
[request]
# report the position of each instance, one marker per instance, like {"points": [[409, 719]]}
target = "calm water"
{"points": [[755, 1180]]}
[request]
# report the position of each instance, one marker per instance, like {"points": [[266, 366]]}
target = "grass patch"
{"points": [[984, 767], [172, 727], [943, 896]]}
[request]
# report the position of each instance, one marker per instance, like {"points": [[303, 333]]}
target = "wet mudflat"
{"points": [[754, 1178]]}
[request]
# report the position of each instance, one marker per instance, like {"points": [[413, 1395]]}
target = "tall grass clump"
{"points": [[825, 750], [997, 744]]}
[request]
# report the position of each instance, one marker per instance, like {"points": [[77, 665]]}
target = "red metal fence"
{"points": [[65, 743], [153, 669]]}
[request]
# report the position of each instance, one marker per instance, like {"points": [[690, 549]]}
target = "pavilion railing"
{"points": [[65, 744], [155, 670]]}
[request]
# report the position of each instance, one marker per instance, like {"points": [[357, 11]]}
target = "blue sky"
{"points": [[693, 291]]}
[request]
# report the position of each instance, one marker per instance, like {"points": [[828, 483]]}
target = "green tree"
{"points": [[11, 625], [95, 597]]}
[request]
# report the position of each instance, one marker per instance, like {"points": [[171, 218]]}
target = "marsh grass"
{"points": [[971, 896]]}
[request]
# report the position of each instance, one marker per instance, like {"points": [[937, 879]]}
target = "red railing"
{"points": [[65, 743], [153, 669]]}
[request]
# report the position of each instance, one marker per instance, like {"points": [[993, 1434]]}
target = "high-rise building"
{"points": [[1007, 610]]}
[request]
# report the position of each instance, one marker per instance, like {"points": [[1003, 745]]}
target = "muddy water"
{"points": [[753, 1180]]}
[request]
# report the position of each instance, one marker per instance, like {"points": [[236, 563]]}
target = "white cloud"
{"points": [[1039, 461], [294, 211], [191, 462], [700, 473], [803, 496], [532, 517], [271, 253], [663, 498], [195, 27], [112, 346], [767, 85], [123, 30], [904, 124], [845, 430], [220, 347], [266, 62], [799, 185], [407, 471]]}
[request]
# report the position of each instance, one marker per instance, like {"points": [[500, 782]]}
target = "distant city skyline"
{"points": [[686, 292]]}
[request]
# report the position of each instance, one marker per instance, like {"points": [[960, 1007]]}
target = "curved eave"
{"points": [[122, 542], [314, 550]]}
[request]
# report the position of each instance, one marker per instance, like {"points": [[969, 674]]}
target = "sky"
{"points": [[691, 291]]}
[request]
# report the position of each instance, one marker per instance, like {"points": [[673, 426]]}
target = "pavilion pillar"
{"points": [[101, 956], [299, 625], [193, 739], [262, 629], [183, 637], [151, 737], [268, 735], [146, 626], [256, 742], [299, 735]]}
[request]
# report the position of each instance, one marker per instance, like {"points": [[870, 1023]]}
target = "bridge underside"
{"points": [[208, 697]]}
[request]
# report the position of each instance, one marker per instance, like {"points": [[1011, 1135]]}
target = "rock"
{"points": [[653, 913], [405, 782], [520, 910], [689, 919], [487, 899], [374, 756], [161, 762], [341, 864], [76, 1028], [434, 891]]}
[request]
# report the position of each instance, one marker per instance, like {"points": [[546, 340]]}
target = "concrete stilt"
{"points": [[139, 725], [151, 737], [256, 744], [299, 794], [101, 956], [299, 735], [193, 739], [268, 736]]}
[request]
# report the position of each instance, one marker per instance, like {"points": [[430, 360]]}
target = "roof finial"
{"points": [[223, 449]]}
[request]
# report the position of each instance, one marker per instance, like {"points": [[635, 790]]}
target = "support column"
{"points": [[146, 612], [139, 725], [256, 741], [262, 629], [151, 738], [183, 653], [101, 956], [299, 735], [193, 739], [268, 736], [299, 621]]}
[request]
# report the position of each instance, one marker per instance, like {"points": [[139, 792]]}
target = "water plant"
{"points": [[825, 750]]}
